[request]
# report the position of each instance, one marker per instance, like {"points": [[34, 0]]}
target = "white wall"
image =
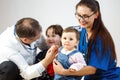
{"points": [[46, 11], [110, 10], [61, 12]]}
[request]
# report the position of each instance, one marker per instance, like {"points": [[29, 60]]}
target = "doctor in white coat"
{"points": [[18, 46]]}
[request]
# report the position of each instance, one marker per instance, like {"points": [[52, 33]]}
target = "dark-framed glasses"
{"points": [[84, 17]]}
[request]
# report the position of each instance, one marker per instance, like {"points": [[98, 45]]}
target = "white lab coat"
{"points": [[12, 49]]}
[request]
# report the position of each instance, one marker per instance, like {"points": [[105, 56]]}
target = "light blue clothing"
{"points": [[105, 64], [64, 60]]}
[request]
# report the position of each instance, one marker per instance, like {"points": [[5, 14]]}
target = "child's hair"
{"points": [[71, 29], [57, 29]]}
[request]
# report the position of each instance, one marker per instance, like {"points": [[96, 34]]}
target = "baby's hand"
{"points": [[71, 70]]}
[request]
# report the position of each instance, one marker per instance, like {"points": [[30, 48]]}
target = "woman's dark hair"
{"points": [[57, 29], [27, 27], [98, 30]]}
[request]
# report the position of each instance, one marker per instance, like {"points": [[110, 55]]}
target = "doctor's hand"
{"points": [[50, 55]]}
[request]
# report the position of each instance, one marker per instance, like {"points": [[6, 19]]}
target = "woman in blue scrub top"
{"points": [[95, 43]]}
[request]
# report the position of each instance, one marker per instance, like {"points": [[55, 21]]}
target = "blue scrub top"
{"points": [[106, 66]]}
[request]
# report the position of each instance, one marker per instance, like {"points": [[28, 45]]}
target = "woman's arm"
{"points": [[87, 70]]}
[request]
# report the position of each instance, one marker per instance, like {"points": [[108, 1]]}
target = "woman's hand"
{"points": [[72, 70], [58, 68], [50, 55]]}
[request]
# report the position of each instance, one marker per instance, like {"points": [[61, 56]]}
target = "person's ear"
{"points": [[61, 39], [24, 40], [96, 15], [77, 43]]}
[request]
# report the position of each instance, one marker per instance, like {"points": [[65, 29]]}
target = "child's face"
{"points": [[69, 40], [52, 38]]}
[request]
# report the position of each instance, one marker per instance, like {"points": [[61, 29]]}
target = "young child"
{"points": [[68, 55], [53, 36]]}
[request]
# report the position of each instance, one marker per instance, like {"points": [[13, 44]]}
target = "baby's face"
{"points": [[69, 40]]}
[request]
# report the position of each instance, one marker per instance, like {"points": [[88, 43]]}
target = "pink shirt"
{"points": [[76, 59]]}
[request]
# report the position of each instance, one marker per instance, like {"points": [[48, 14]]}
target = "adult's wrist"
{"points": [[45, 63]]}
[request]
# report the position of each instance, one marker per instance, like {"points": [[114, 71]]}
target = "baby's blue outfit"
{"points": [[64, 60]]}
